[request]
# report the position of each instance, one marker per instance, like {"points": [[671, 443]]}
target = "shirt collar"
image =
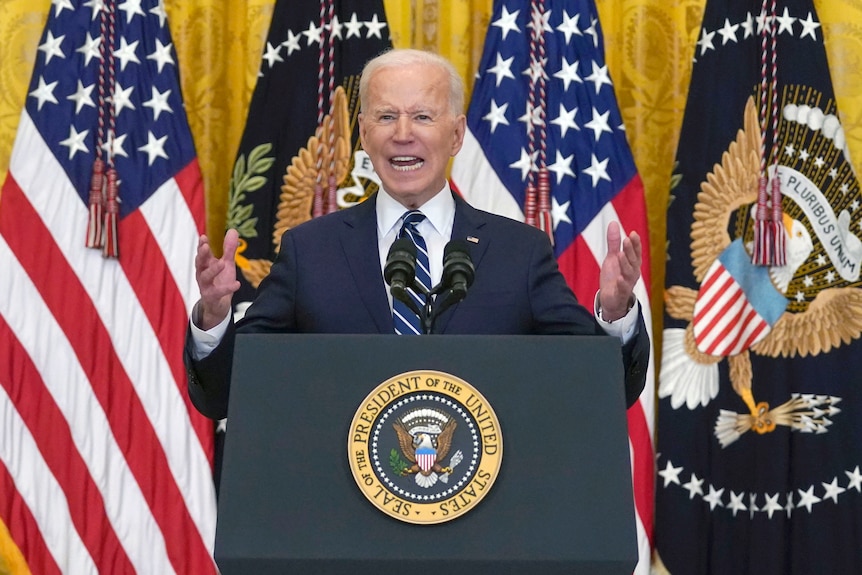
{"points": [[439, 210]]}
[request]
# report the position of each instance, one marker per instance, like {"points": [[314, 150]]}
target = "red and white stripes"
{"points": [[107, 464]]}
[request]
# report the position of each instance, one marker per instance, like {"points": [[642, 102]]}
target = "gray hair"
{"points": [[398, 58]]}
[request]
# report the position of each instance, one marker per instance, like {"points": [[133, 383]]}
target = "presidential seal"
{"points": [[425, 447]]}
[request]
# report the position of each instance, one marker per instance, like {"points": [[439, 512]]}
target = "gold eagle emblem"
{"points": [[319, 166]]}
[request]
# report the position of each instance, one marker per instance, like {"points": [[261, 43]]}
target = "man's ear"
{"points": [[362, 129], [458, 135]]}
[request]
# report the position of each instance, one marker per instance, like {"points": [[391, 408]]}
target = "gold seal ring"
{"points": [[425, 447]]}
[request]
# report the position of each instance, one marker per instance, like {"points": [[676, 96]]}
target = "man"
{"points": [[328, 277]]}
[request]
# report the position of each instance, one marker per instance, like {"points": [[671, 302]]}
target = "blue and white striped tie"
{"points": [[406, 322]]}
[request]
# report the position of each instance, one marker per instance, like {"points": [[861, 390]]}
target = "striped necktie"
{"points": [[406, 322]]}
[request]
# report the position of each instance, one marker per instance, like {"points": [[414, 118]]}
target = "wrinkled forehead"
{"points": [[406, 89]]}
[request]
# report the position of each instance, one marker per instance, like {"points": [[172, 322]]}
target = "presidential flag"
{"points": [[545, 144], [760, 410], [300, 155], [104, 465]]}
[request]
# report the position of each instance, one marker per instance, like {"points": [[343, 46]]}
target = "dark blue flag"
{"points": [[296, 159], [760, 411]]}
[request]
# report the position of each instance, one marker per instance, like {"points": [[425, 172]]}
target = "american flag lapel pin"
{"points": [[473, 239]]}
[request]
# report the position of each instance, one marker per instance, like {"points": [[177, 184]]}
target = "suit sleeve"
{"points": [[208, 379], [635, 362]]}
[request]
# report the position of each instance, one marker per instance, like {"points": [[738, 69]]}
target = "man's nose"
{"points": [[403, 128]]}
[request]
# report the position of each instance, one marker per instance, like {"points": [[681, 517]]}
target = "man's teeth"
{"points": [[406, 163]]}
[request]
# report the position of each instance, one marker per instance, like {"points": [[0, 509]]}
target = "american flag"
{"points": [[543, 115], [104, 465]]}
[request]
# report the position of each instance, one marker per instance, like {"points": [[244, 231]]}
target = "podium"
{"points": [[561, 503]]}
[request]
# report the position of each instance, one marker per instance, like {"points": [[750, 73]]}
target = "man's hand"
{"points": [[620, 271], [216, 279]]}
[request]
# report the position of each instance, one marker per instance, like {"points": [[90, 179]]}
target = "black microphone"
{"points": [[400, 269], [458, 270]]}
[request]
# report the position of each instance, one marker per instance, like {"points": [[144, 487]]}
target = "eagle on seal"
{"points": [[425, 451]]}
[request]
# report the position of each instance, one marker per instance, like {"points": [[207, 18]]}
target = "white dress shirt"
{"points": [[436, 228]]}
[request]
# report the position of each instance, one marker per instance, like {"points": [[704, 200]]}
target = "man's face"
{"points": [[409, 132]]}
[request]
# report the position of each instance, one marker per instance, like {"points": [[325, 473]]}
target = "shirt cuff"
{"points": [[624, 328], [204, 342]]}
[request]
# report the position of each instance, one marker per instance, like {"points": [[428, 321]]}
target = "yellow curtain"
{"points": [[218, 43], [649, 47], [452, 28], [21, 23], [11, 560], [842, 32]]}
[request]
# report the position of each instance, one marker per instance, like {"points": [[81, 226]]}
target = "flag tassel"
{"points": [[769, 231], [544, 201], [317, 203], [112, 212], [94, 225], [332, 200], [530, 202], [769, 245], [769, 234]]}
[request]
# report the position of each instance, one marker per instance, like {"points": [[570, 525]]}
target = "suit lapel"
{"points": [[359, 241], [468, 226]]}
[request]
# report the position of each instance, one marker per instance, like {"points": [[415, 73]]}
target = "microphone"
{"points": [[458, 270], [400, 269]]}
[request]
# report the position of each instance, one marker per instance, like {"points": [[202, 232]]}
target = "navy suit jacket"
{"points": [[327, 279]]}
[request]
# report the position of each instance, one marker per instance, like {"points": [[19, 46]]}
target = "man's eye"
{"points": [[386, 118]]}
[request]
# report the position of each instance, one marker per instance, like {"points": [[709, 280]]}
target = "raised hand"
{"points": [[216, 279], [620, 272]]}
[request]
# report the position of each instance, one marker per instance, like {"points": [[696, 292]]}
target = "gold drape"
{"points": [[649, 48], [218, 45], [21, 23], [453, 28]]}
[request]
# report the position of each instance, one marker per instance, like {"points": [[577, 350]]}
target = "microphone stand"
{"points": [[426, 313], [427, 316], [434, 306]]}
